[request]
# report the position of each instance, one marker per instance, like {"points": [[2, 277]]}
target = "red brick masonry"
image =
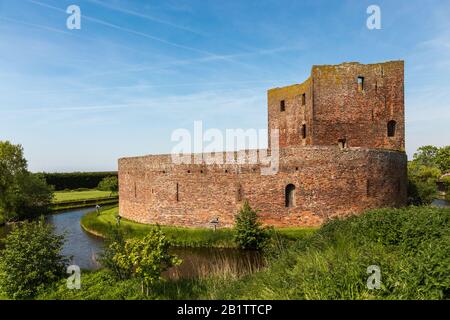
{"points": [[345, 163]]}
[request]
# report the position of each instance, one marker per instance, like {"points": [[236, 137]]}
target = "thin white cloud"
{"points": [[131, 31], [146, 17]]}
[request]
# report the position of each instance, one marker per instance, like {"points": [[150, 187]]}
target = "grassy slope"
{"points": [[410, 246], [60, 196], [189, 237]]}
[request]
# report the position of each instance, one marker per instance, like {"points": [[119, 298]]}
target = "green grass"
{"points": [[410, 246], [179, 236], [63, 196], [101, 285]]}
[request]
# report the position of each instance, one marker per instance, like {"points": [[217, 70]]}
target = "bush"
{"points": [[31, 259], [114, 247], [249, 232], [144, 259]]}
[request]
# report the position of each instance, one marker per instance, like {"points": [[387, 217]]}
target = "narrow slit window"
{"points": [[239, 193], [391, 126], [303, 131], [303, 99], [177, 197], [282, 105], [360, 83]]}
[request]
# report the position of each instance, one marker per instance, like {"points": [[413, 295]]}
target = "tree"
{"points": [[422, 183], [443, 159], [249, 232], [22, 194], [446, 181], [150, 257], [426, 156], [31, 259], [110, 184], [432, 156], [145, 259]]}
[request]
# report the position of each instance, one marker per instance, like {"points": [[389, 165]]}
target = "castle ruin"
{"points": [[341, 151]]}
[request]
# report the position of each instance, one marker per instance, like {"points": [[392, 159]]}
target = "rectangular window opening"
{"points": [[360, 83], [282, 106]]}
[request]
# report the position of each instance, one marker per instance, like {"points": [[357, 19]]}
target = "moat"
{"points": [[85, 250]]}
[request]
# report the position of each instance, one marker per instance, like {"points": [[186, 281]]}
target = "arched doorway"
{"points": [[290, 196]]}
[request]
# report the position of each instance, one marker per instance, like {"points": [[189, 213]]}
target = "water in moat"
{"points": [[84, 250]]}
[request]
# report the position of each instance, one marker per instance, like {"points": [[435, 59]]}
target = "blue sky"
{"points": [[138, 70]]}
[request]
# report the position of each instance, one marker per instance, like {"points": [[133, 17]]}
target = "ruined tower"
{"points": [[351, 105]]}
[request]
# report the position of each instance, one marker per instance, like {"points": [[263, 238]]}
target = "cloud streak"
{"points": [[146, 17]]}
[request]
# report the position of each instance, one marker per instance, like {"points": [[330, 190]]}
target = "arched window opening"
{"points": [[391, 126], [290, 196]]}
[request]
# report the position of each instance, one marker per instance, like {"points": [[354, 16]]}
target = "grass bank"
{"points": [[410, 247], [182, 237], [66, 200]]}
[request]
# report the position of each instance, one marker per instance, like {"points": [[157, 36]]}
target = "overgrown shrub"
{"points": [[249, 233], [31, 259]]}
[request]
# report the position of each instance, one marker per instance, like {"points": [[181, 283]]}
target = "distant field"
{"points": [[61, 196]]}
